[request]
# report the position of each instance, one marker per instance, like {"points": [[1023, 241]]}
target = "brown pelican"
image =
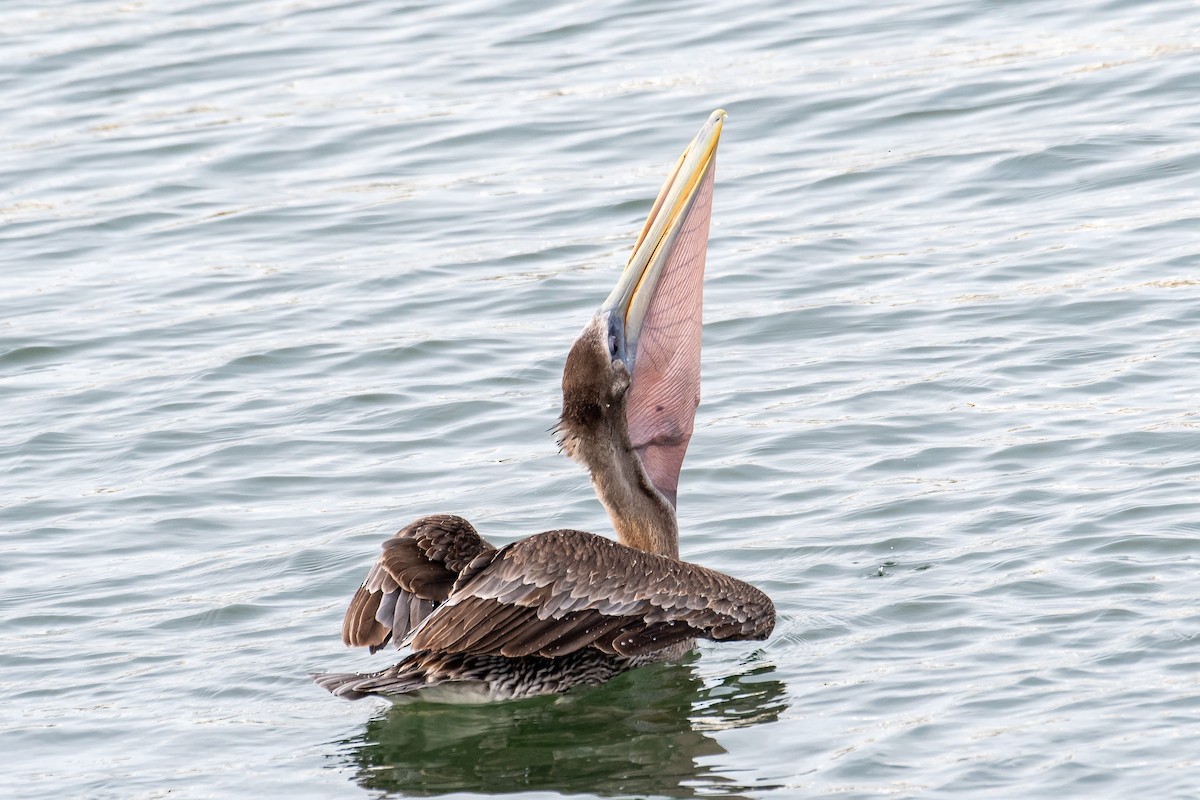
{"points": [[567, 608]]}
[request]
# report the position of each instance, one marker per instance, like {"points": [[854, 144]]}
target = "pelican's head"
{"points": [[632, 378]]}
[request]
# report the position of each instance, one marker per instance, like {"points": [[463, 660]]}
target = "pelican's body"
{"points": [[567, 608]]}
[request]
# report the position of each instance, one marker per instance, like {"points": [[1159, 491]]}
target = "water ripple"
{"points": [[278, 277]]}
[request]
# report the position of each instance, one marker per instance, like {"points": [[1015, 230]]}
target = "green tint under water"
{"points": [[649, 733]]}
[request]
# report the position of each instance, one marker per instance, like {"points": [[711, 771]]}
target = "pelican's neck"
{"points": [[641, 517], [594, 431]]}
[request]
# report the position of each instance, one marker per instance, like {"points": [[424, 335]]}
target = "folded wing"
{"points": [[561, 591], [414, 574]]}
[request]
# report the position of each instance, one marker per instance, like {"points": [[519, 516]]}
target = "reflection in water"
{"points": [[641, 734]]}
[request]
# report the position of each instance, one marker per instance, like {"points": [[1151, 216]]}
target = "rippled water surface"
{"points": [[278, 277]]}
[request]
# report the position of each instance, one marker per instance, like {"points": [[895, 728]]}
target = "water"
{"points": [[277, 277]]}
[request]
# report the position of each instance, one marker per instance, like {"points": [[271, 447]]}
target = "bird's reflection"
{"points": [[645, 733]]}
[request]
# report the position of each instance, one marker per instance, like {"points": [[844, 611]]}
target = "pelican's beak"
{"points": [[655, 313], [672, 239]]}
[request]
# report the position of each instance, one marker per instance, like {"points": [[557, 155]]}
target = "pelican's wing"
{"points": [[414, 574], [561, 591]]}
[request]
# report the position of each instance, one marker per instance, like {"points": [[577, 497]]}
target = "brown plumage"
{"points": [[560, 591], [415, 573], [567, 608]]}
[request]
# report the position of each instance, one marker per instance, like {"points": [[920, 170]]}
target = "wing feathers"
{"points": [[441, 585], [558, 592], [360, 628], [415, 572]]}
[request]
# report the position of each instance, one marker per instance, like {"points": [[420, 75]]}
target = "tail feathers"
{"points": [[419, 674], [347, 685], [460, 677]]}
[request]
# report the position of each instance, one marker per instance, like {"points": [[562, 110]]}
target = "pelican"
{"points": [[566, 608]]}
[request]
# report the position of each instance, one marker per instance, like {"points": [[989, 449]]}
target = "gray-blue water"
{"points": [[278, 277]]}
